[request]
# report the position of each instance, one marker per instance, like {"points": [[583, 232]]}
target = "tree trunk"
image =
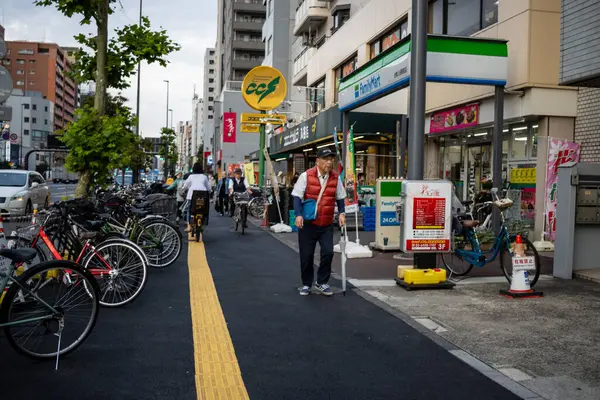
{"points": [[102, 48], [82, 189]]}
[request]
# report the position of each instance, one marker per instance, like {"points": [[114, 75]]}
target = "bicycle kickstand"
{"points": [[61, 325]]}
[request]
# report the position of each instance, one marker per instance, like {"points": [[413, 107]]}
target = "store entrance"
{"points": [[479, 167]]}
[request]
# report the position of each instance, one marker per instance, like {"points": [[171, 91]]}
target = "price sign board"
{"points": [[427, 225]]}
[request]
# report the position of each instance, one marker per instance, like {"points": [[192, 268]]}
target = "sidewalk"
{"points": [[549, 345], [293, 347]]}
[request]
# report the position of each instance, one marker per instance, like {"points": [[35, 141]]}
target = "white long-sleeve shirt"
{"points": [[300, 186], [196, 182]]}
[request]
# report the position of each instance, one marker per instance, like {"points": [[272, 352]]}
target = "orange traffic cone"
{"points": [[265, 223], [519, 285]]}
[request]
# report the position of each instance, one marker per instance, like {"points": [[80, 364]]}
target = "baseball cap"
{"points": [[237, 171], [325, 152]]}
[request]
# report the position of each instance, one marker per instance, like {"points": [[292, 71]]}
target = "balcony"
{"points": [[310, 15], [233, 86], [241, 44], [247, 26], [241, 63], [250, 5]]}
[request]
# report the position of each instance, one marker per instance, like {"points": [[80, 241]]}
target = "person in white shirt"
{"points": [[196, 181]]}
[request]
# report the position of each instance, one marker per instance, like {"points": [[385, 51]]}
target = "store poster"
{"points": [[560, 151], [528, 204], [455, 118], [350, 175], [427, 217], [231, 168], [249, 172], [229, 127]]}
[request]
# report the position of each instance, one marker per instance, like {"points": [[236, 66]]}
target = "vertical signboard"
{"points": [[560, 151], [229, 127], [387, 226], [350, 175], [427, 216]]}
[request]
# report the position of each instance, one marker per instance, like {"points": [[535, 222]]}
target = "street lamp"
{"points": [[171, 111], [22, 133], [139, 79], [167, 120]]}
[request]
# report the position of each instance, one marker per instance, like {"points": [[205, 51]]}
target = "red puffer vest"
{"points": [[326, 207]]}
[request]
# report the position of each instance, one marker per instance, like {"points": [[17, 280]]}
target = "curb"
{"points": [[477, 364]]}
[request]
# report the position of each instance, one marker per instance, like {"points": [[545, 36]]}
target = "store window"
{"points": [[340, 17], [436, 17], [461, 17], [519, 138], [390, 38], [343, 71], [317, 96]]}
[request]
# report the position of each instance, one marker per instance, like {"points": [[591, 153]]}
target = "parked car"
{"points": [[21, 190]]}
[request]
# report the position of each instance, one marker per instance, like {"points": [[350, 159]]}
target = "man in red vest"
{"points": [[319, 184]]}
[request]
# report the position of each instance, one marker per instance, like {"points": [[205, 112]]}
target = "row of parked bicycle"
{"points": [[79, 255]]}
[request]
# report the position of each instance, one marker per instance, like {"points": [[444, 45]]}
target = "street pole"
{"points": [[403, 133], [167, 118], [497, 151], [399, 155], [261, 155], [418, 72], [135, 172], [22, 133], [171, 111], [166, 164]]}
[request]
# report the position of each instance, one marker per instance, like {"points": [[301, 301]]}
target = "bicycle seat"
{"points": [[470, 223], [18, 255], [467, 202], [94, 225]]}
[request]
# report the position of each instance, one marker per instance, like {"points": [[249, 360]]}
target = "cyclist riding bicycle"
{"points": [[238, 184], [197, 181]]}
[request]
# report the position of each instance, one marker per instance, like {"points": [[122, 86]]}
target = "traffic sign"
{"points": [[6, 84], [278, 119], [250, 128], [14, 138], [264, 88], [5, 134]]}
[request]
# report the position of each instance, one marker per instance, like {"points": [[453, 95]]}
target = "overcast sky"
{"points": [[191, 23]]}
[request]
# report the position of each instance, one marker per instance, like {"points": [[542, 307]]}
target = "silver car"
{"points": [[21, 191]]}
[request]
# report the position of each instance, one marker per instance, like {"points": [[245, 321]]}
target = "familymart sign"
{"points": [[472, 61]]}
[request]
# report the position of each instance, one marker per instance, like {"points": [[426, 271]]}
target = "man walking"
{"points": [[321, 185]]}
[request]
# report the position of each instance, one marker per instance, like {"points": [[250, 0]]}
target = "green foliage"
{"points": [[168, 149], [131, 44], [86, 9]]}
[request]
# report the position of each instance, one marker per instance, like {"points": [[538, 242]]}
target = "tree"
{"points": [[168, 150], [110, 65]]}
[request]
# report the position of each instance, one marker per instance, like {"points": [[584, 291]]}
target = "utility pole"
{"points": [[135, 174], [166, 164]]}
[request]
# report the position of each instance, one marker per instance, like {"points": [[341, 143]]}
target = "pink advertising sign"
{"points": [[560, 151], [455, 118]]}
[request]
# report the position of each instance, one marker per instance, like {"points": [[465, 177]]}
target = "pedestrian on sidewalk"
{"points": [[177, 185], [320, 189]]}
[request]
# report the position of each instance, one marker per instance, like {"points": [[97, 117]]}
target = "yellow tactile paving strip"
{"points": [[218, 375]]}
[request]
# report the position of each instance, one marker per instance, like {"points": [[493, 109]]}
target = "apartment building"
{"points": [[184, 145], [580, 66], [239, 38], [337, 38], [208, 107], [71, 54], [32, 122], [43, 67]]}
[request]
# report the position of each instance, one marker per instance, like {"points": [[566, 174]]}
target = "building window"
{"points": [[31, 83], [46, 108], [390, 38], [26, 106], [6, 62], [211, 71], [26, 51], [20, 61], [210, 117], [211, 89], [32, 72], [211, 62], [31, 61], [461, 17], [211, 80], [317, 96], [211, 99], [210, 108], [45, 122], [34, 106], [43, 51], [26, 132], [340, 18], [25, 119], [212, 53], [20, 72], [34, 120], [343, 71]]}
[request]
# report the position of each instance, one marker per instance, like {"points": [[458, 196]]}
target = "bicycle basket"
{"points": [[165, 206], [241, 198], [503, 204]]}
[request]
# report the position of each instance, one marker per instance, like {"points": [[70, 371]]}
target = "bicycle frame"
{"points": [[4, 285], [477, 257]]}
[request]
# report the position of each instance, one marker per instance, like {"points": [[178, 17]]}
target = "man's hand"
{"points": [[299, 222], [342, 219]]}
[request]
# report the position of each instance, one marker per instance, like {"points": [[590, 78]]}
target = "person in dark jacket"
{"points": [[322, 185]]}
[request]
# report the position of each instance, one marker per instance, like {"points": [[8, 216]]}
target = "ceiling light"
{"points": [[521, 139], [480, 134], [305, 150], [535, 126], [358, 137], [324, 145], [280, 159], [521, 128]]}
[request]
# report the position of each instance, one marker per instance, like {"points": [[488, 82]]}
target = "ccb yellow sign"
{"points": [[264, 88], [523, 175]]}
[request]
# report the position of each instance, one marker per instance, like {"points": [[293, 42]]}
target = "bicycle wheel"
{"points": [[120, 269], [453, 262], [161, 242], [244, 216], [256, 207], [70, 290], [506, 261]]}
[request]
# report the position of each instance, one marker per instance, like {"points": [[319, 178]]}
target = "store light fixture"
{"points": [[521, 139], [480, 134], [358, 137], [506, 130], [324, 145], [360, 152], [521, 128], [305, 150], [535, 126], [280, 159]]}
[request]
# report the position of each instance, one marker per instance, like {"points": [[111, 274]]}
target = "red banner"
{"points": [[229, 124], [456, 118], [206, 154]]}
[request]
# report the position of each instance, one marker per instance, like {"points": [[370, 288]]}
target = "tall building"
{"points": [[197, 125], [208, 107], [239, 38], [184, 145], [71, 54], [43, 67]]}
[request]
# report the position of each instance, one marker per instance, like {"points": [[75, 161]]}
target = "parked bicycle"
{"points": [[467, 252]]}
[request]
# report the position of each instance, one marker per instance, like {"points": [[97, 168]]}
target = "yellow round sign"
{"points": [[264, 88]]}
